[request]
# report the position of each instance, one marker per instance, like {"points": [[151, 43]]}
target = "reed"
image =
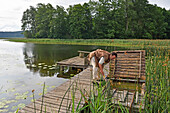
{"points": [[157, 81], [130, 43]]}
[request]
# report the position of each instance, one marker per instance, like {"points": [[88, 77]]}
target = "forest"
{"points": [[14, 34], [102, 19]]}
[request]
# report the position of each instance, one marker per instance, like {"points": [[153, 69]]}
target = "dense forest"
{"points": [[16, 34], [103, 19]]}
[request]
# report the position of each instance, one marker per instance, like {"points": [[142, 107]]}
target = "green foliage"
{"points": [[103, 19], [80, 21], [157, 82], [58, 25]]}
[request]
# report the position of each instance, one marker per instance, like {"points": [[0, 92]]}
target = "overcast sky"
{"points": [[11, 11]]}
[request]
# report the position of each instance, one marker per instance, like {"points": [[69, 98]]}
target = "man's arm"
{"points": [[101, 70], [101, 62]]}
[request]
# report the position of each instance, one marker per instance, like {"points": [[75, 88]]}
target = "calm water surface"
{"points": [[26, 66]]}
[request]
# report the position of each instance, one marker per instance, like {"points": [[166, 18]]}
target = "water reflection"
{"points": [[42, 58]]}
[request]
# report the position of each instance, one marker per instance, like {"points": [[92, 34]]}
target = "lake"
{"points": [[27, 66]]}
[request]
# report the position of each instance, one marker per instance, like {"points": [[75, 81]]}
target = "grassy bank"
{"points": [[139, 43]]}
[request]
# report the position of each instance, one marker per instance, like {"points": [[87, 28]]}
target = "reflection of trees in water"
{"points": [[41, 58]]}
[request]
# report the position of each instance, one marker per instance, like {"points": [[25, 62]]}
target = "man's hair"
{"points": [[113, 53]]}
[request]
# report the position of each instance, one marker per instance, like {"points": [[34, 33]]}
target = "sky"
{"points": [[11, 11]]}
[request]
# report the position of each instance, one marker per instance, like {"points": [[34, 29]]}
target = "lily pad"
{"points": [[39, 66], [21, 105], [28, 65], [52, 86], [40, 94], [14, 107], [33, 65], [11, 90], [44, 67], [31, 95], [32, 100], [21, 96], [4, 110], [4, 103]]}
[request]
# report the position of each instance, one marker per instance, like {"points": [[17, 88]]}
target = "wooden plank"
{"points": [[127, 73], [127, 64], [83, 52], [128, 67], [125, 76], [140, 66], [123, 96], [120, 95], [130, 59], [128, 80], [129, 70], [131, 103]]}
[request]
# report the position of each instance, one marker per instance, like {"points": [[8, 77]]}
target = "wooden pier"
{"points": [[60, 99]]}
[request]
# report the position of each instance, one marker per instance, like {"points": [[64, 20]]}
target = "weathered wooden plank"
{"points": [[130, 59], [127, 73], [130, 51], [128, 80], [129, 70], [126, 62], [128, 56], [125, 76], [120, 95], [132, 101]]}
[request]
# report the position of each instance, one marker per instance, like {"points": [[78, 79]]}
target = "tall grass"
{"points": [[130, 43], [157, 81]]}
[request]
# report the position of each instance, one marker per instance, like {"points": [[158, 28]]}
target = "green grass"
{"points": [[137, 43]]}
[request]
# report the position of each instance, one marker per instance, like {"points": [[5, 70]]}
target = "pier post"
{"points": [[81, 54], [61, 69]]}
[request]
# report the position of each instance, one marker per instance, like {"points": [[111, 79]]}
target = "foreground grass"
{"points": [[138, 43]]}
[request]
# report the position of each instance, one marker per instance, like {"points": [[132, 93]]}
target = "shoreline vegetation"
{"points": [[138, 43]]}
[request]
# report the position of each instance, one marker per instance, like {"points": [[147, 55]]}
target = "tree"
{"points": [[155, 26], [80, 21], [43, 18], [98, 19], [29, 23], [58, 24], [166, 14]]}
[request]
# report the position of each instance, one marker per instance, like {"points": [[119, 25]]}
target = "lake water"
{"points": [[26, 66]]}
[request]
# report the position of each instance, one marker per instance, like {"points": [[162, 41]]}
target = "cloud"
{"points": [[11, 11], [161, 3]]}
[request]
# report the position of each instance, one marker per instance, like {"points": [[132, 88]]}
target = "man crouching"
{"points": [[98, 59]]}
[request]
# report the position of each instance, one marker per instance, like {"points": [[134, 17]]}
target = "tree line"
{"points": [[103, 19]]}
